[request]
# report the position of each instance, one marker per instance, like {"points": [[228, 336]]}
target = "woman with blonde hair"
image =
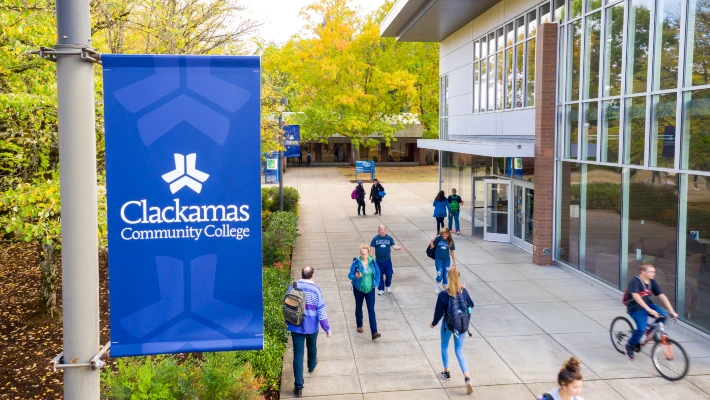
{"points": [[365, 277], [455, 305], [570, 380], [443, 255]]}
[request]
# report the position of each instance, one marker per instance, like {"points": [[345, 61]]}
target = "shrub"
{"points": [[279, 237], [275, 284], [270, 199]]}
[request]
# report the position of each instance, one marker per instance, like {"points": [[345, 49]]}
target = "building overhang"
{"points": [[490, 146], [430, 20]]}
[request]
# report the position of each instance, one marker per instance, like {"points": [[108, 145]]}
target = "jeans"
{"points": [[442, 270], [455, 217], [378, 209], [361, 203], [439, 224], [299, 339], [386, 270], [458, 348], [641, 319], [370, 300]]}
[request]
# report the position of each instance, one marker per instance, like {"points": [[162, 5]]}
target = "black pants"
{"points": [[378, 209], [439, 224], [361, 203]]}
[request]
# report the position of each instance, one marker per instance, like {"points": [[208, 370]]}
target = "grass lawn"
{"points": [[427, 173]]}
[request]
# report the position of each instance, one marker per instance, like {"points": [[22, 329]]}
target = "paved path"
{"points": [[527, 320]]}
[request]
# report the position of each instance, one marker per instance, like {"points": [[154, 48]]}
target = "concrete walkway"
{"points": [[527, 320]]}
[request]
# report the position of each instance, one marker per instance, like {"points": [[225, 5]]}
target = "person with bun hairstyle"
{"points": [[570, 380]]}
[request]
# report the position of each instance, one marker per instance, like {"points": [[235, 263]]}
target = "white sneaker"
{"points": [[389, 289], [436, 288], [381, 293]]}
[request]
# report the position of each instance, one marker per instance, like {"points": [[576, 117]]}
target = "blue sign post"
{"points": [[184, 203], [362, 167]]}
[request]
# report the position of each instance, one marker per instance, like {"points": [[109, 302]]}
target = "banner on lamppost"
{"points": [[271, 167], [292, 140], [184, 203]]}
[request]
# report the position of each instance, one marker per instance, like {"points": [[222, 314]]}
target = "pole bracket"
{"points": [[51, 53], [96, 362]]}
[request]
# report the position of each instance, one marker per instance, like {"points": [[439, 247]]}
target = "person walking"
{"points": [[360, 193], [308, 159], [569, 380], [300, 157], [454, 300], [455, 203], [307, 333], [375, 196], [365, 276], [444, 245], [441, 206], [381, 247]]}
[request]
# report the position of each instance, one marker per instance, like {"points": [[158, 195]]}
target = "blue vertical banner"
{"points": [[292, 140], [271, 168], [184, 203]]}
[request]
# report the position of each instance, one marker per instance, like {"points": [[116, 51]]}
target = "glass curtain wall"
{"points": [[633, 183]]}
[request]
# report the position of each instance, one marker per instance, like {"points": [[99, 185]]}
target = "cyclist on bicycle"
{"points": [[639, 305]]}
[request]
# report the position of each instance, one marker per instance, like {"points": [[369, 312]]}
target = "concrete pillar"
{"points": [[545, 115], [348, 152], [384, 152], [318, 148]]}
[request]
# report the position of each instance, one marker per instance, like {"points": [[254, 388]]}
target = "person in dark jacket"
{"points": [[365, 276], [308, 159], [442, 305], [441, 208], [375, 196], [360, 198]]}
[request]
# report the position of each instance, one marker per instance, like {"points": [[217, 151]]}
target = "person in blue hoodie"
{"points": [[441, 209], [365, 277]]}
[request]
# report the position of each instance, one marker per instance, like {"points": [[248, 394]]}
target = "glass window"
{"points": [[484, 85], [613, 49], [591, 62], [476, 87], [501, 39], [568, 238], [602, 210], [638, 40], [611, 112], [509, 34], [519, 29], [519, 68], [509, 78], [697, 252], [635, 130], [696, 130], [491, 82], [499, 82], [476, 50], [575, 9], [484, 47], [545, 16], [593, 4], [667, 44], [653, 226], [697, 54], [590, 131], [491, 43], [530, 87], [575, 48], [663, 130], [559, 6], [532, 23], [572, 131]]}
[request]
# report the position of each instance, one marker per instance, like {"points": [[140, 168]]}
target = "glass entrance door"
{"points": [[523, 208], [496, 211]]}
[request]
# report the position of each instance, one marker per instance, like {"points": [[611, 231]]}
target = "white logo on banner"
{"points": [[185, 174]]}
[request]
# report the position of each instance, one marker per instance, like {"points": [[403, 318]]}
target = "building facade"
{"points": [[581, 131]]}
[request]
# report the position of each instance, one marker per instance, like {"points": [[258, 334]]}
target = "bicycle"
{"points": [[664, 353]]}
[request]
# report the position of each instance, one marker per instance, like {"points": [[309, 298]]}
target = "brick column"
{"points": [[545, 115], [348, 152], [319, 152], [384, 152]]}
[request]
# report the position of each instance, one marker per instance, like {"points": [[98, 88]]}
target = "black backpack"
{"points": [[295, 305], [431, 252], [457, 316]]}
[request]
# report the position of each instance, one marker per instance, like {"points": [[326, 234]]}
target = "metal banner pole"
{"points": [[77, 160], [281, 155]]}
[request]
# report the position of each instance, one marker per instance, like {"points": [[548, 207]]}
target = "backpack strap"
{"points": [[295, 285]]}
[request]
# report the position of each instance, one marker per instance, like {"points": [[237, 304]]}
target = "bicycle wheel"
{"points": [[670, 359], [620, 332]]}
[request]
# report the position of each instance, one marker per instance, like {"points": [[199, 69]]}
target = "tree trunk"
{"points": [[49, 280]]}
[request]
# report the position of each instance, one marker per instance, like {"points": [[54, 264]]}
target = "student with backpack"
{"points": [[365, 276], [441, 206], [304, 311], [441, 249], [377, 193], [454, 304], [570, 380], [455, 203], [359, 194]]}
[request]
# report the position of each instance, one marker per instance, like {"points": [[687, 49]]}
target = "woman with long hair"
{"points": [[456, 298], [443, 255], [441, 209], [569, 380], [365, 277]]}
